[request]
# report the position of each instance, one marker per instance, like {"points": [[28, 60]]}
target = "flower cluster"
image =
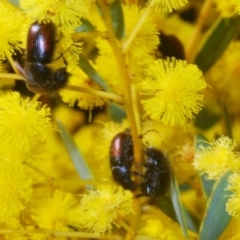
{"points": [[131, 127]]}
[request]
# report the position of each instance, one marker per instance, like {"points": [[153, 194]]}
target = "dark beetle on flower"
{"points": [[157, 176], [121, 159], [40, 77]]}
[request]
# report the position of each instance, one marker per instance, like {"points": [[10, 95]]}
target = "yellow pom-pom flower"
{"points": [[175, 90], [237, 6], [233, 203], [146, 40], [139, 55], [167, 5], [217, 158], [58, 211], [65, 13], [11, 30], [100, 208], [16, 189], [23, 124], [153, 227], [228, 8]]}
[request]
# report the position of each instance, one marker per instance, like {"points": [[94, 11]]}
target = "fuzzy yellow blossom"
{"points": [[83, 100], [175, 91], [146, 39], [100, 208], [233, 203], [182, 158], [23, 124], [11, 30], [142, 49], [65, 13], [167, 5], [110, 71], [139, 55], [237, 6], [60, 211], [104, 138], [15, 189], [217, 158], [228, 8], [155, 228], [67, 48], [55, 161]]}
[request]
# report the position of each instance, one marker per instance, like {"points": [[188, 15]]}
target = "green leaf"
{"points": [[178, 207], [165, 204], [92, 73], [207, 185], [192, 221], [86, 26], [15, 3], [200, 141], [117, 18], [116, 112], [78, 160], [217, 42], [216, 217]]}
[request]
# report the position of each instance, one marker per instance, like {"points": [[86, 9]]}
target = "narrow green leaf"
{"points": [[78, 160], [216, 218], [192, 221], [117, 18], [200, 141], [217, 42], [165, 204], [116, 112], [92, 73], [227, 120], [207, 185], [15, 3], [86, 26], [178, 207]]}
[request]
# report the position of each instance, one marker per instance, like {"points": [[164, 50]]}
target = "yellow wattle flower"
{"points": [[175, 91], [16, 189], [217, 158], [167, 5]]}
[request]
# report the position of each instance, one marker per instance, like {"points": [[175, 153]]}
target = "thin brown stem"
{"points": [[98, 93], [11, 76], [126, 227], [55, 233], [196, 35], [125, 80], [40, 172]]}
